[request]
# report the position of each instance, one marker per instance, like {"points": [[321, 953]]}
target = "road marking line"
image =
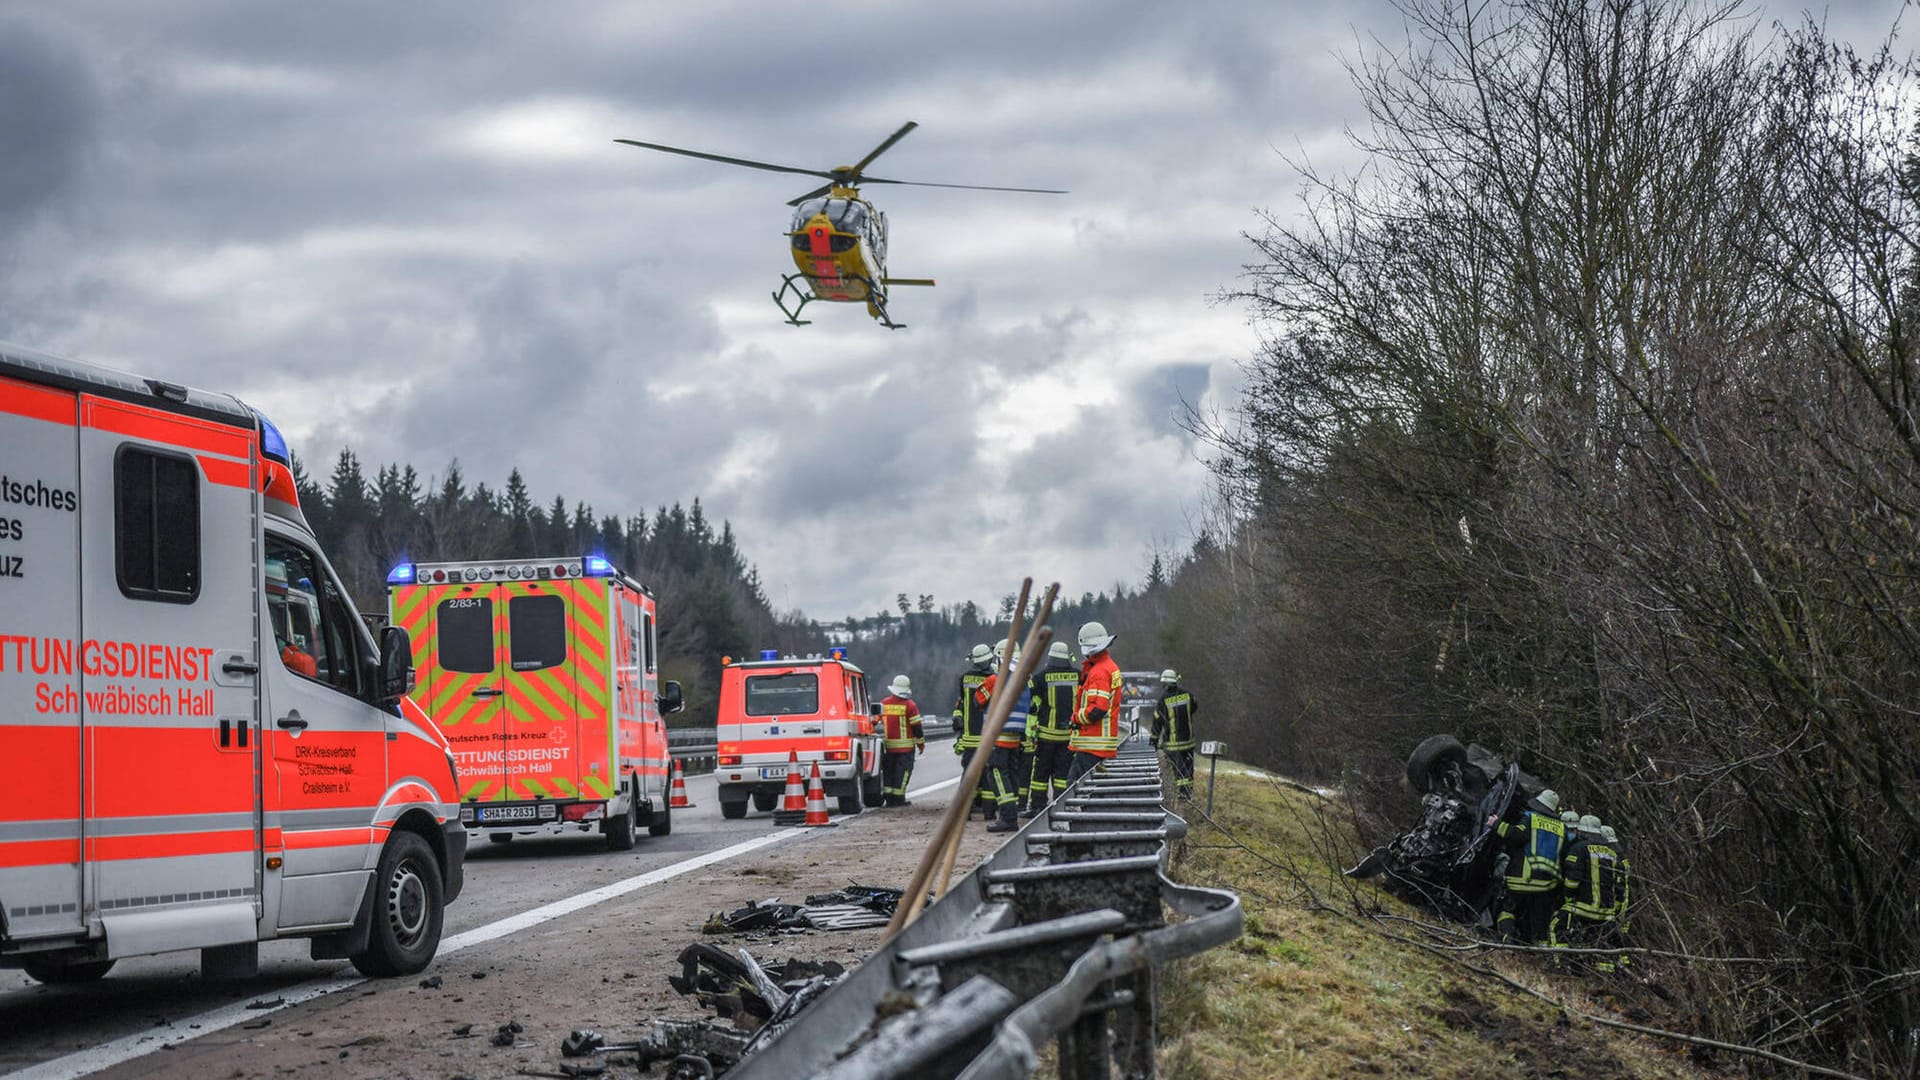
{"points": [[126, 1048], [108, 1054]]}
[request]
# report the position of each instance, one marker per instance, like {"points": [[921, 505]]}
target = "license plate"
{"points": [[773, 774], [507, 813]]}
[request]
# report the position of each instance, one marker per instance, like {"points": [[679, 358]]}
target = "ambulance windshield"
{"points": [[797, 694]]}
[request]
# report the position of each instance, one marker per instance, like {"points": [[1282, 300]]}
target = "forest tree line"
{"points": [[1584, 427]]}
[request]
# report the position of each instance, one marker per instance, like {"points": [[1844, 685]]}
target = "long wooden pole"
{"points": [[946, 835]]}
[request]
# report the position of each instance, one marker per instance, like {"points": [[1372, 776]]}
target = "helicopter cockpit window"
{"points": [[846, 215]]}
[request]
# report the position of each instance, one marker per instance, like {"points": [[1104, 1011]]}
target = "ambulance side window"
{"points": [[536, 632], [313, 629], [156, 525], [646, 640]]}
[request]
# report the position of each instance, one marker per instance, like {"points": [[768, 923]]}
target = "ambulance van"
{"points": [[543, 674], [204, 748], [816, 707]]}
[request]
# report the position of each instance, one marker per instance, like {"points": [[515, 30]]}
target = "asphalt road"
{"points": [[70, 1031]]}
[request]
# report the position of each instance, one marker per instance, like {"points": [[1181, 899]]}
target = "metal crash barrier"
{"points": [[1056, 936]]}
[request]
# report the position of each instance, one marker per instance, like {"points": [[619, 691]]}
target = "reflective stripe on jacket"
{"points": [[1173, 719], [1052, 718], [900, 724], [1096, 713], [968, 710], [1534, 846]]}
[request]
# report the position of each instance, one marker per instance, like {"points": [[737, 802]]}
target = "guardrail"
{"points": [[1057, 935]]}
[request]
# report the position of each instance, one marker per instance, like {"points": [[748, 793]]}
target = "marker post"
{"points": [[1212, 748]]}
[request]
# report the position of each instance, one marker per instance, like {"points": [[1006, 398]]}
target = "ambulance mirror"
{"points": [[396, 664], [874, 707], [670, 699]]}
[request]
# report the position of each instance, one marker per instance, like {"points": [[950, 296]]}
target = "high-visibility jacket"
{"points": [[1013, 733], [1534, 847], [1173, 718], [1594, 876], [970, 708], [1096, 712], [1057, 685], [900, 724]]}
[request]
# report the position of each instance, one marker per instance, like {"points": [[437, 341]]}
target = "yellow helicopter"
{"points": [[839, 240]]}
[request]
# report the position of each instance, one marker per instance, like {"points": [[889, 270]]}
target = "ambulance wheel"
{"points": [[874, 789], [851, 802], [733, 810], [619, 828], [55, 970], [765, 801], [660, 822], [407, 909]]}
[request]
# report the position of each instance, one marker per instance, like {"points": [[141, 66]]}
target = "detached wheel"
{"points": [[765, 801], [620, 829], [733, 811], [407, 909], [59, 970], [1432, 759]]}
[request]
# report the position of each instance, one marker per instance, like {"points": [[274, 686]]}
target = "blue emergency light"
{"points": [[598, 567], [838, 652], [769, 654], [401, 575]]}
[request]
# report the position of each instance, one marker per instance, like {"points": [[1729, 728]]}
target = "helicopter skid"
{"points": [[797, 285]]}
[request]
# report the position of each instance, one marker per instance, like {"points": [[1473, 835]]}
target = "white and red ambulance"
{"points": [[202, 744], [815, 707], [543, 674]]}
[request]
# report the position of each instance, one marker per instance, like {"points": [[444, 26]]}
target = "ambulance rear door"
{"points": [[170, 676], [458, 680], [593, 621], [40, 680], [540, 729]]}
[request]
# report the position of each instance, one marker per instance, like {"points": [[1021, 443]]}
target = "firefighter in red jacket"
{"points": [[1096, 712], [901, 739]]}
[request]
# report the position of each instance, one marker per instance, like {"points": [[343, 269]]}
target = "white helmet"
{"points": [[1571, 817], [901, 686], [1607, 834], [1590, 824], [1094, 638], [1169, 676], [980, 654], [1550, 799], [1059, 651]]}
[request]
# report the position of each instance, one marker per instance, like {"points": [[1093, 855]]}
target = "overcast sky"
{"points": [[404, 227]]}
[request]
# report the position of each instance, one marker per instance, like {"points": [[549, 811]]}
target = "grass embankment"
{"points": [[1315, 987]]}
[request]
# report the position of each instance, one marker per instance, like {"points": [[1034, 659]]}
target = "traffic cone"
{"points": [[677, 795], [793, 804], [816, 800]]}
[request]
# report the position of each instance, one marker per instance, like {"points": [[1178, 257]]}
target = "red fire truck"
{"points": [[817, 707]]}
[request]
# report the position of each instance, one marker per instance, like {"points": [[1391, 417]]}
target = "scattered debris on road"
{"points": [[851, 908]]}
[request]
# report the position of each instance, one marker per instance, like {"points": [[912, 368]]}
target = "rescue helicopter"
{"points": [[838, 239]]}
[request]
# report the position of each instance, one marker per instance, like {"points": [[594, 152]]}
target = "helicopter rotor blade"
{"points": [[723, 159], [854, 172], [969, 187], [814, 194]]}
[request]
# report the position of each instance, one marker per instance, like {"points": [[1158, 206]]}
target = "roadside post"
{"points": [[1212, 748]]}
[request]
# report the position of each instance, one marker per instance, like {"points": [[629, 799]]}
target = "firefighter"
{"points": [[970, 712], [1613, 935], [1096, 711], [1003, 768], [1533, 839], [901, 739], [1049, 727], [1173, 730], [1589, 882]]}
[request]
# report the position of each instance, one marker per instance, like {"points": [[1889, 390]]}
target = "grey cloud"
{"points": [[48, 110]]}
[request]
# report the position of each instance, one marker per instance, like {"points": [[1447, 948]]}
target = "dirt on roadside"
{"points": [[604, 968]]}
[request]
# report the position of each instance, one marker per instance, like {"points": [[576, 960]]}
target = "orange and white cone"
{"points": [[816, 800], [677, 795], [794, 800]]}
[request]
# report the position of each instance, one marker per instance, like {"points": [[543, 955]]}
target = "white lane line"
{"points": [[109, 1054]]}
